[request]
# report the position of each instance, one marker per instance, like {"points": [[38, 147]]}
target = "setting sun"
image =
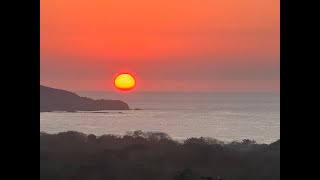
{"points": [[124, 82]]}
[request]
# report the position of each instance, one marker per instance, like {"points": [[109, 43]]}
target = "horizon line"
{"points": [[110, 91]]}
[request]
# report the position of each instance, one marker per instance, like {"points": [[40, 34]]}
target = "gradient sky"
{"points": [[169, 45]]}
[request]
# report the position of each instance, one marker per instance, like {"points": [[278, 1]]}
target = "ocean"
{"points": [[224, 116]]}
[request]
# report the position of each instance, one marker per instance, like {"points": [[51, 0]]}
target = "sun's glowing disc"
{"points": [[124, 82]]}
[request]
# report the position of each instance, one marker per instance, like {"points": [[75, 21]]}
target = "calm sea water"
{"points": [[224, 116]]}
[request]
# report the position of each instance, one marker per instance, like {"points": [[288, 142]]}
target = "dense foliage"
{"points": [[154, 156]]}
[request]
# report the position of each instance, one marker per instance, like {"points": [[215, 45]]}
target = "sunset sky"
{"points": [[168, 45]]}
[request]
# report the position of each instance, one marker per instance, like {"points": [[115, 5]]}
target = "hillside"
{"points": [[153, 156], [60, 100]]}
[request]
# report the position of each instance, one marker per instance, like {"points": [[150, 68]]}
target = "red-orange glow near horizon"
{"points": [[187, 45], [124, 82]]}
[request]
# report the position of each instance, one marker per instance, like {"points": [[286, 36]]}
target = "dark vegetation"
{"points": [[154, 156], [60, 100]]}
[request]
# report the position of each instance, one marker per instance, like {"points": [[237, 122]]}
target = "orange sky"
{"points": [[196, 45]]}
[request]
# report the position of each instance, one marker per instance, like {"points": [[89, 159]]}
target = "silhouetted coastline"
{"points": [[60, 100], [154, 155]]}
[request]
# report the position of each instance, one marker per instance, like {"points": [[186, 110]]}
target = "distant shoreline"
{"points": [[162, 134], [52, 99], [101, 111]]}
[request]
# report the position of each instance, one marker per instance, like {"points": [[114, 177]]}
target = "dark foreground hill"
{"points": [[60, 100], [154, 156]]}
